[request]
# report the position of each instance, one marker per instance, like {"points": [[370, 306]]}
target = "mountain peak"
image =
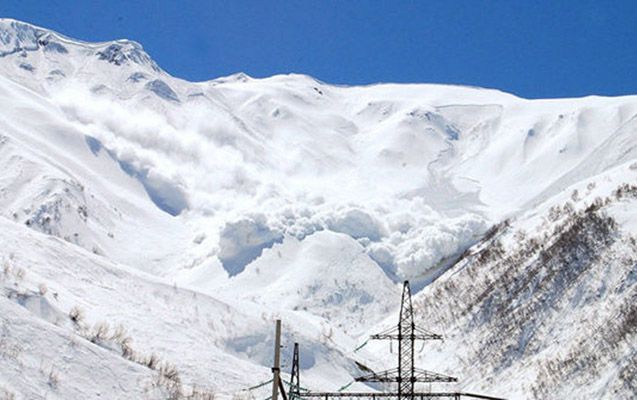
{"points": [[124, 51], [17, 37]]}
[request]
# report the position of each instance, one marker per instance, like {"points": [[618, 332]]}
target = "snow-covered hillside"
{"points": [[152, 225]]}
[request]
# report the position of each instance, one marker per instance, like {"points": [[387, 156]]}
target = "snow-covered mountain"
{"points": [[154, 228]]}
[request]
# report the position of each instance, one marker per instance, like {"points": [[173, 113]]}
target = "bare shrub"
{"points": [[152, 361], [633, 243], [198, 394], [555, 212], [520, 235], [495, 229], [120, 335], [76, 315], [625, 190], [490, 253], [168, 379], [569, 209], [575, 195], [99, 332], [595, 205], [169, 371]]}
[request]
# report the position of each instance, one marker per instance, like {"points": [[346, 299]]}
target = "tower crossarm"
{"points": [[418, 334], [386, 334], [390, 375], [420, 375], [423, 334]]}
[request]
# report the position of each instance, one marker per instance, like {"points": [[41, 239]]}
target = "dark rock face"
{"points": [[113, 54], [125, 52], [19, 38], [161, 89], [53, 47], [57, 72], [137, 77], [24, 37], [27, 67]]}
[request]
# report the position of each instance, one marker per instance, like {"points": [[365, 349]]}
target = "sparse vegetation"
{"points": [[167, 378], [99, 333], [625, 191], [511, 293], [575, 196], [76, 315]]}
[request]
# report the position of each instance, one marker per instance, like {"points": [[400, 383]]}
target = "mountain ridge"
{"points": [[193, 214]]}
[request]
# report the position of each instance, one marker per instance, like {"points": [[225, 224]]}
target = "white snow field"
{"points": [[152, 229]]}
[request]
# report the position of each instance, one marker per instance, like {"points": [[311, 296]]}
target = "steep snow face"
{"points": [[288, 197], [307, 156], [326, 271], [59, 181]]}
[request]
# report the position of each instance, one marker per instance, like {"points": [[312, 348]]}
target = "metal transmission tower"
{"points": [[406, 333], [405, 375], [295, 380]]}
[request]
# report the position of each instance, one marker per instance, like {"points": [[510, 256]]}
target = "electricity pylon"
{"points": [[406, 333], [295, 379]]}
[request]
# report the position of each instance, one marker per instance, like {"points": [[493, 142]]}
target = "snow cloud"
{"points": [[197, 156]]}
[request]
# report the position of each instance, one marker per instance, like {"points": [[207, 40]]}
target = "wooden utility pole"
{"points": [[276, 368]]}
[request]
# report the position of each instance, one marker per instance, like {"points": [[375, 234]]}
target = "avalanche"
{"points": [[153, 228]]}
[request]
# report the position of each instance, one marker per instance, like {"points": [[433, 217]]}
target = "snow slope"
{"points": [[195, 213]]}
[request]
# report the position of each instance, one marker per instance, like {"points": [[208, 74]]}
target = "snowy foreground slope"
{"points": [[152, 229]]}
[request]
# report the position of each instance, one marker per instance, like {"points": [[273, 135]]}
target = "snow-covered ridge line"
{"points": [[17, 37], [10, 27], [13, 23]]}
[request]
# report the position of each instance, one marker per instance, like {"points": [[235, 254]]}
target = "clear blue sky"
{"points": [[530, 48]]}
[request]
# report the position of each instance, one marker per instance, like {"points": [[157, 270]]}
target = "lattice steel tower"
{"points": [[295, 378], [406, 333]]}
